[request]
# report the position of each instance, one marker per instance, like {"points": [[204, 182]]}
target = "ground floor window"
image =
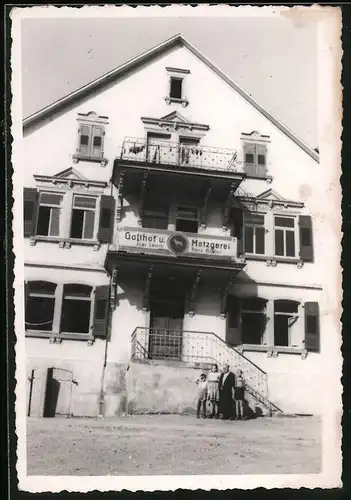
{"points": [[253, 320], [76, 308], [70, 309], [285, 317], [40, 305]]}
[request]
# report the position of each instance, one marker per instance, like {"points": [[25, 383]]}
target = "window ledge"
{"points": [[101, 160], [183, 102], [65, 243], [267, 178], [272, 351], [273, 261], [56, 337]]}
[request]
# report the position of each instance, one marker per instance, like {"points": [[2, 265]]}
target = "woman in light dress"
{"points": [[213, 390]]}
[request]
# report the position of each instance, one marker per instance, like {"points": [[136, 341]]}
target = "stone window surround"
{"points": [[268, 340], [269, 257], [91, 118], [180, 74], [55, 336], [82, 189]]}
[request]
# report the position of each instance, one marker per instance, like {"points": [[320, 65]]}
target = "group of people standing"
{"points": [[224, 391]]}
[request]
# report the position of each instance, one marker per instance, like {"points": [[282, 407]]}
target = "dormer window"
{"points": [[177, 82], [90, 141], [255, 154]]}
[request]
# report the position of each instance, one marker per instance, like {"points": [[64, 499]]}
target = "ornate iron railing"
{"points": [[199, 347], [182, 155]]}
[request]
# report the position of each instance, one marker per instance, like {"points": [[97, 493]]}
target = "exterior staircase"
{"points": [[201, 349]]}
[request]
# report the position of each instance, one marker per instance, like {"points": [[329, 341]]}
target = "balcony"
{"points": [[174, 244], [180, 155]]}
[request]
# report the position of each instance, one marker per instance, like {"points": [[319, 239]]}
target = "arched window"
{"points": [[40, 305], [285, 317], [76, 308]]}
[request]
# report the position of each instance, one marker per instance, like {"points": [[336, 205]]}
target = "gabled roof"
{"points": [[177, 40]]}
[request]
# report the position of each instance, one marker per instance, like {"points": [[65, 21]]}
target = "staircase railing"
{"points": [[202, 348]]}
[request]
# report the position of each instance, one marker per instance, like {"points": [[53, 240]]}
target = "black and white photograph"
{"points": [[177, 230]]}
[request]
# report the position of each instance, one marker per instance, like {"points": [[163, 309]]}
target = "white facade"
{"points": [[294, 184]]}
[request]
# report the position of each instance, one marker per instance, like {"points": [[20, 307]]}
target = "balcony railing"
{"points": [[199, 347], [164, 242], [182, 155]]}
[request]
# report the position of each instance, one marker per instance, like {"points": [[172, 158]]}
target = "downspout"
{"points": [[108, 336]]}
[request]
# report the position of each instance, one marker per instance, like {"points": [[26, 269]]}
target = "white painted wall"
{"points": [[48, 149]]}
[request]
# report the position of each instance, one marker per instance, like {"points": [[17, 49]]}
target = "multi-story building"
{"points": [[168, 224]]}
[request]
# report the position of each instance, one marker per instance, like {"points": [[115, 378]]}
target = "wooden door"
{"points": [[58, 392], [166, 328]]}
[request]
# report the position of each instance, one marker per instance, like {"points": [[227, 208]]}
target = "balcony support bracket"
{"points": [[228, 205], [193, 292], [120, 197], [204, 211], [146, 301], [224, 299], [142, 198]]}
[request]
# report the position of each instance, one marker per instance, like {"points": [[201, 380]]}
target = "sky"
{"points": [[273, 59]]}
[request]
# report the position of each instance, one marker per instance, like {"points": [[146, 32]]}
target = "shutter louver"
{"points": [[30, 204], [84, 140], [249, 159], [306, 238], [261, 167], [107, 215], [312, 327], [101, 311], [96, 144]]}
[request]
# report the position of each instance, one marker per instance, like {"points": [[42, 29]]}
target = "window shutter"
{"points": [[233, 336], [101, 311], [30, 205], [84, 140], [237, 218], [249, 153], [97, 141], [107, 215], [306, 241], [312, 336], [261, 159]]}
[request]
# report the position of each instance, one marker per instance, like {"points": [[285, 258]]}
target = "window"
{"points": [[188, 153], [40, 306], [91, 132], [284, 234], [76, 308], [255, 159], [175, 91], [187, 220], [83, 217], [49, 214], [253, 320], [254, 234], [285, 316], [155, 219]]}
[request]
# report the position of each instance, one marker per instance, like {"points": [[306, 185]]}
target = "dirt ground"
{"points": [[173, 444]]}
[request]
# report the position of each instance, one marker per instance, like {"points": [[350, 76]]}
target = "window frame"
{"points": [[295, 315], [286, 229], [96, 218], [52, 296], [179, 79], [60, 207], [85, 299], [254, 226], [91, 121], [262, 312], [56, 332], [187, 218]]}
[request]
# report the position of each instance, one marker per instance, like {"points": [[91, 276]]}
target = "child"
{"points": [[239, 393], [202, 396], [213, 390]]}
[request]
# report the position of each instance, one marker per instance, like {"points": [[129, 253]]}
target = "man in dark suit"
{"points": [[226, 393]]}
